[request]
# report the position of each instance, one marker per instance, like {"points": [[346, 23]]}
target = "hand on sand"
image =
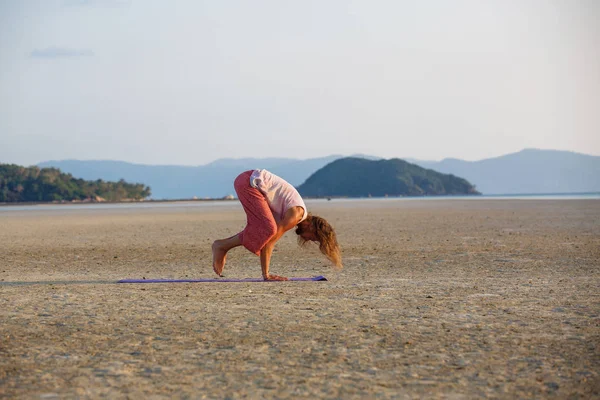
{"points": [[272, 277]]}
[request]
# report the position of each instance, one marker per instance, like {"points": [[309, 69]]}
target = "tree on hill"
{"points": [[357, 177], [34, 184]]}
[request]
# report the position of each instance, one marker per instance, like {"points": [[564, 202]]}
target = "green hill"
{"points": [[357, 177], [34, 184]]}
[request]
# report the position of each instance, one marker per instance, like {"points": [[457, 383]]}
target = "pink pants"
{"points": [[261, 225]]}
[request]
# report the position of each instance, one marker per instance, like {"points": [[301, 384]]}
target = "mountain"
{"points": [[528, 171], [213, 180], [358, 177], [34, 184]]}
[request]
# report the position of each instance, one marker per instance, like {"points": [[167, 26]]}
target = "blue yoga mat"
{"points": [[220, 280]]}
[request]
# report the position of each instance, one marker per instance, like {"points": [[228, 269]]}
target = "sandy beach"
{"points": [[438, 299]]}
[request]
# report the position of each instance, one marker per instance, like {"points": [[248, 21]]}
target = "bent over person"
{"points": [[273, 207]]}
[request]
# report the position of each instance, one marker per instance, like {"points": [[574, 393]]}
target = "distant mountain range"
{"points": [[214, 180], [358, 177], [528, 171]]}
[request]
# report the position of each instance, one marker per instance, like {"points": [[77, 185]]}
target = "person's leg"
{"points": [[220, 249], [260, 225]]}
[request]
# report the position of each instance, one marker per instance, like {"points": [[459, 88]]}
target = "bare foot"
{"points": [[272, 277], [219, 258]]}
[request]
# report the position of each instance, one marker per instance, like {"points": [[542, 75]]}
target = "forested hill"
{"points": [[357, 177], [34, 184]]}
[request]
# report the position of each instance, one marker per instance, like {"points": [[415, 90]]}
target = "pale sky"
{"points": [[188, 82]]}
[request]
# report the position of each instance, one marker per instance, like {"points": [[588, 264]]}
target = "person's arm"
{"points": [[291, 218]]}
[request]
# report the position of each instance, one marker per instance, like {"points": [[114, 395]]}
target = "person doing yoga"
{"points": [[273, 207]]}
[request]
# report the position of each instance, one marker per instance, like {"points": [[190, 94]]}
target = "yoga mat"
{"points": [[314, 278]]}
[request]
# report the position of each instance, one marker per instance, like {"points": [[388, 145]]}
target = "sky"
{"points": [[188, 82]]}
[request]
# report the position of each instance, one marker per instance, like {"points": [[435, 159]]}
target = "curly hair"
{"points": [[326, 237]]}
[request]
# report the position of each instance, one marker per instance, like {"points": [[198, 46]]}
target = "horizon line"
{"points": [[360, 155]]}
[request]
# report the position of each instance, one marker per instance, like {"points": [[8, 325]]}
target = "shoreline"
{"points": [[535, 196], [85, 203]]}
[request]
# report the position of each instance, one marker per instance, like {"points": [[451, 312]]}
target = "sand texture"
{"points": [[438, 299]]}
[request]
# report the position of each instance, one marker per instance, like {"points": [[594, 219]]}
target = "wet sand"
{"points": [[438, 298]]}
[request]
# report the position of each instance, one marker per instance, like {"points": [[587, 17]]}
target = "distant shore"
{"points": [[225, 199], [84, 203]]}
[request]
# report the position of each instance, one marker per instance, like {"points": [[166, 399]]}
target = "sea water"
{"points": [[7, 208]]}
